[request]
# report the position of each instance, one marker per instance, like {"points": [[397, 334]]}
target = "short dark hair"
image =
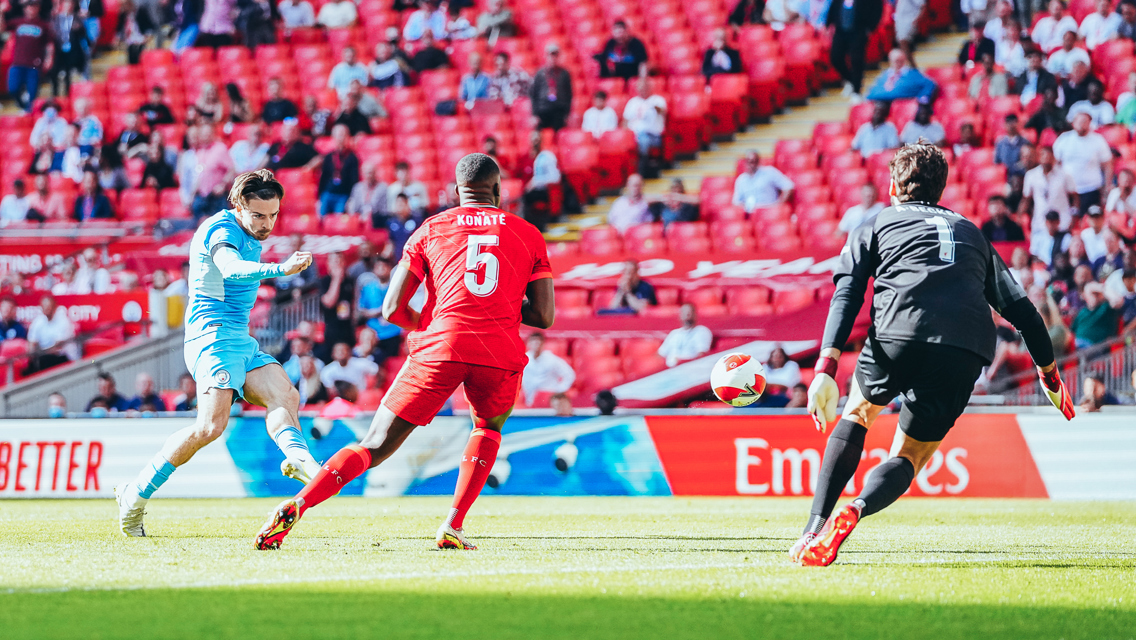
{"points": [[996, 198], [919, 172], [1011, 117], [619, 23], [600, 94], [1052, 216], [401, 165], [476, 169], [1128, 273], [606, 402], [105, 376], [255, 185]]}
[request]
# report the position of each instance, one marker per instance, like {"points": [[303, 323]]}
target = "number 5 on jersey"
{"points": [[482, 269], [946, 238]]}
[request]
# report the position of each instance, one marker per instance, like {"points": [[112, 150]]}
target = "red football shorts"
{"points": [[419, 390]]}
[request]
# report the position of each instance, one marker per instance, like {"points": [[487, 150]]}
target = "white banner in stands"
{"points": [[87, 458]]}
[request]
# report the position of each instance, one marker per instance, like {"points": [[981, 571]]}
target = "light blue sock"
{"points": [[153, 476], [292, 443]]}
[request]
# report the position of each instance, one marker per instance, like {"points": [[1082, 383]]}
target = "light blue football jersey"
{"points": [[217, 305]]}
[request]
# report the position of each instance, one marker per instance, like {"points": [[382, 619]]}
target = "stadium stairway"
{"points": [[796, 122]]}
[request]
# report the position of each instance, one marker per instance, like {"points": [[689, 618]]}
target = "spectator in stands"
{"points": [[10, 327], [350, 116], [131, 143], [632, 293], [214, 175], [158, 174], [317, 120], [539, 171], [50, 124], [294, 286], [239, 108], [545, 371], [1008, 50], [630, 208], [507, 83], [1049, 30], [605, 400], [1000, 227], [868, 207], [1097, 321], [922, 127], [1112, 260], [251, 153], [1101, 25], [458, 27], [1096, 106], [551, 91], [968, 140], [760, 186], [300, 347], [475, 84], [49, 206], [296, 14], [1061, 62], [1096, 393], [1127, 27], [388, 70], [347, 70], [56, 405], [496, 22], [1122, 199], [69, 159], [624, 55], [1049, 115], [291, 152], [689, 342], [372, 292], [907, 16], [561, 405], [429, 56], [978, 45], [429, 17], [1051, 241], [364, 261], [1093, 235], [109, 394], [1075, 87], [676, 205], [187, 401], [256, 21], [210, 108], [14, 207], [720, 57], [337, 298], [1008, 147], [599, 118], [780, 371], [988, 83], [1035, 80], [155, 111], [218, 23], [368, 198], [646, 116], [747, 12], [852, 22], [33, 52], [779, 13], [900, 80], [1085, 155], [401, 223], [186, 168], [339, 174], [878, 134], [92, 203], [277, 108], [52, 336], [414, 190], [338, 14], [311, 389], [144, 385], [344, 366], [71, 46]]}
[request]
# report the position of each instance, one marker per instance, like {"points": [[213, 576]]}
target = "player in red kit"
{"points": [[486, 272]]}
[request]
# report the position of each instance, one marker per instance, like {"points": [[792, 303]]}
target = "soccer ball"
{"points": [[738, 379]]}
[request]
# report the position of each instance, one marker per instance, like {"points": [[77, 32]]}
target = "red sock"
{"points": [[477, 462], [343, 467]]}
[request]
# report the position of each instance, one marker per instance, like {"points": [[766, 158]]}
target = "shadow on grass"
{"points": [[366, 612]]}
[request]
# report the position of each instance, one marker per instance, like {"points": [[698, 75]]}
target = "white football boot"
{"points": [[131, 510], [299, 470], [451, 538]]}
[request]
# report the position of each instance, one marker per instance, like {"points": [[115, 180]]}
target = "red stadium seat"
{"points": [[789, 300], [752, 301]]}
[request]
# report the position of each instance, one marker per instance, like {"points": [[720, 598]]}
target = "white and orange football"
{"points": [[737, 379]]}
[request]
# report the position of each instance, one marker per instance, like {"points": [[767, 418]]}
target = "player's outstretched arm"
{"points": [[396, 306], [1025, 318], [539, 310], [237, 269]]}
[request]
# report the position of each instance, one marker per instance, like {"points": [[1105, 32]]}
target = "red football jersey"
{"points": [[477, 262]]}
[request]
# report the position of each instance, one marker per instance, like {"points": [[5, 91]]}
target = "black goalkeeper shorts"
{"points": [[935, 380]]}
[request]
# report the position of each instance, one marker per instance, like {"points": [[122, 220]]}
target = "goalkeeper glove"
{"points": [[823, 394], [1056, 392]]}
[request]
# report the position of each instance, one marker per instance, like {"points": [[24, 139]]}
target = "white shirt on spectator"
{"points": [[870, 140], [546, 372], [246, 157], [598, 122], [686, 344], [13, 209], [1101, 113], [1094, 243], [1041, 246], [337, 15], [643, 116], [1096, 29], [1118, 203], [931, 132], [45, 334], [1083, 157], [626, 213], [857, 215], [786, 376], [355, 371], [1061, 62], [994, 29], [342, 74], [1047, 33], [1049, 193], [297, 14], [1012, 57], [760, 189]]}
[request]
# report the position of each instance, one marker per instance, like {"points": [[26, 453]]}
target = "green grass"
{"points": [[578, 568]]}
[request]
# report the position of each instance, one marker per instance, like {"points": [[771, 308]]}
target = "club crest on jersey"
{"points": [[222, 377]]}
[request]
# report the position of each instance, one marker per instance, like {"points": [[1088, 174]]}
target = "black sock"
{"points": [[841, 457], [885, 485]]}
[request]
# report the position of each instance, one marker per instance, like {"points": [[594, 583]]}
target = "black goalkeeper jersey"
{"points": [[936, 277]]}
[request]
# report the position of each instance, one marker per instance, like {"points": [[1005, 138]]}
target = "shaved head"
{"points": [[477, 170]]}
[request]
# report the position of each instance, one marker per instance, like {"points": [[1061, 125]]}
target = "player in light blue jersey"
{"points": [[227, 363]]}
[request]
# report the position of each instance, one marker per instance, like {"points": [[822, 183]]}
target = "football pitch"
{"points": [[577, 568]]}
